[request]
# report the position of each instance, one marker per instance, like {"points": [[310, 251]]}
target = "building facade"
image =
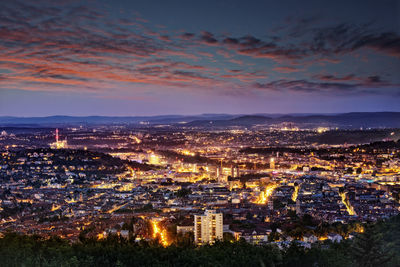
{"points": [[208, 227]]}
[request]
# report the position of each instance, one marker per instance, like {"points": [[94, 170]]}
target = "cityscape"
{"points": [[170, 182], [199, 134]]}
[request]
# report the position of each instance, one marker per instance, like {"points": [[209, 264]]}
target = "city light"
{"points": [[180, 175], [59, 144], [322, 130], [296, 192], [160, 233], [346, 202], [266, 194], [193, 133]]}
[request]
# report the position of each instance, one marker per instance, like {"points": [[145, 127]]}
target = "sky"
{"points": [[153, 57]]}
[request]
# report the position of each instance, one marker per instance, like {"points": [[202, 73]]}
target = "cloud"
{"points": [[333, 78], [245, 76], [251, 46], [60, 47], [304, 41], [304, 86], [81, 46], [336, 85], [187, 35], [345, 38], [208, 38], [374, 80], [286, 69]]}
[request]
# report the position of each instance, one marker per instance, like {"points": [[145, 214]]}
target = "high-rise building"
{"points": [[272, 163], [208, 227], [235, 171], [218, 172], [221, 177]]}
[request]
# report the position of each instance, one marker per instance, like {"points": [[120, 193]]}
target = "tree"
{"points": [[184, 192], [228, 237], [292, 214], [368, 249], [278, 204], [273, 236]]}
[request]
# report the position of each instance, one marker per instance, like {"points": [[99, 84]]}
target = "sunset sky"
{"points": [[192, 57]]}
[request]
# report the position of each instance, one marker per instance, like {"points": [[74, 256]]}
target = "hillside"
{"points": [[345, 120]]}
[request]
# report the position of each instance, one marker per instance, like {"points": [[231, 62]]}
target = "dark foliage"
{"points": [[378, 246]]}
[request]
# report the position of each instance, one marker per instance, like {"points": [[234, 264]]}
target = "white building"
{"points": [[335, 237], [208, 227], [309, 238]]}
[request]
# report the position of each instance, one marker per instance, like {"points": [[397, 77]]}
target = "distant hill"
{"points": [[245, 121], [101, 120], [345, 120], [352, 120]]}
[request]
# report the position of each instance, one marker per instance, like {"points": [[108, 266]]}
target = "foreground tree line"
{"points": [[379, 246]]}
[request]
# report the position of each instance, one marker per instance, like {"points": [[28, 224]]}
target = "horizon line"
{"points": [[202, 114]]}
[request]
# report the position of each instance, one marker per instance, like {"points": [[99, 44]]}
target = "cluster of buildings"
{"points": [[211, 185]]}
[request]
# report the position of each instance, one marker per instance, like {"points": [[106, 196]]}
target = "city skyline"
{"points": [[129, 58], [200, 133]]}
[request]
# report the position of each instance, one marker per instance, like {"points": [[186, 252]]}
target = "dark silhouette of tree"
{"points": [[378, 246], [368, 249], [183, 192]]}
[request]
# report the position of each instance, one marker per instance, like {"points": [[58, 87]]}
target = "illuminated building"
{"points": [[220, 175], [208, 227], [322, 129], [58, 144], [272, 163], [235, 172], [154, 159]]}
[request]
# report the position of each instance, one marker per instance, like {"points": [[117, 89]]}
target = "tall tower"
{"points": [[57, 135], [59, 143]]}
